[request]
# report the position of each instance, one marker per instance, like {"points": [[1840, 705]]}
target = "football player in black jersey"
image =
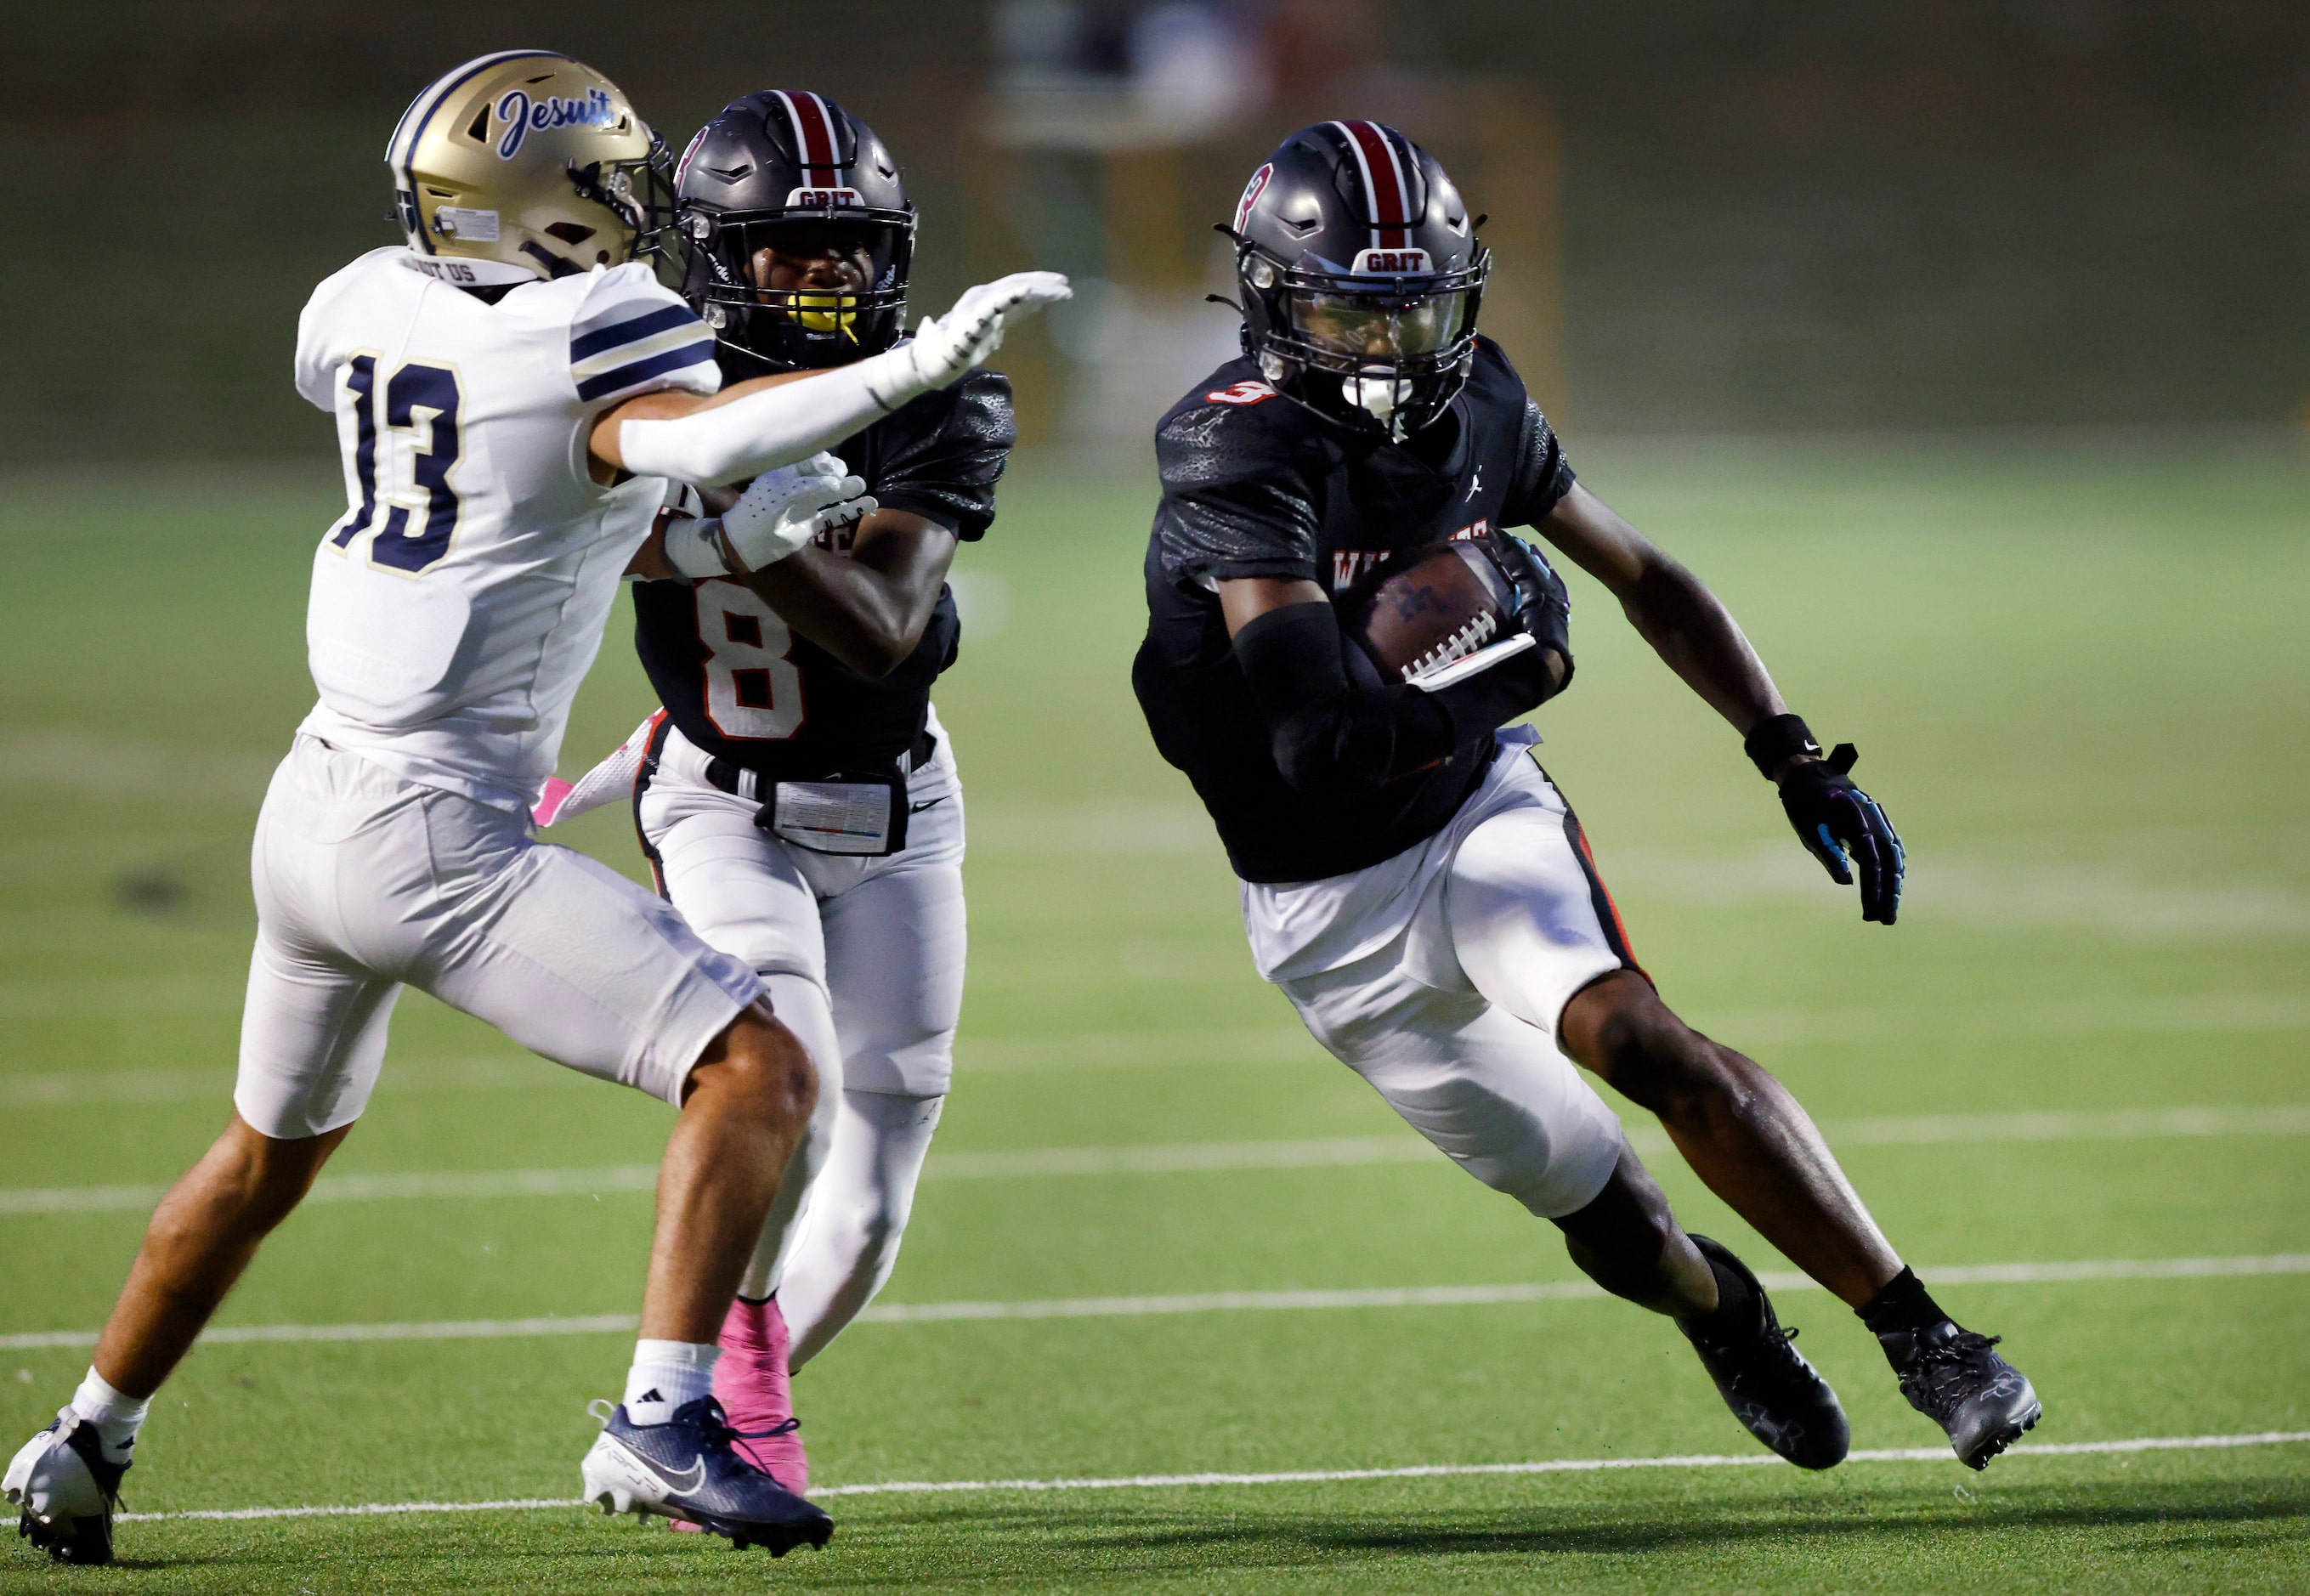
{"points": [[1413, 881], [797, 795]]}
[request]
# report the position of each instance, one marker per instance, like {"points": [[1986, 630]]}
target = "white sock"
{"points": [[116, 1418], [665, 1375]]}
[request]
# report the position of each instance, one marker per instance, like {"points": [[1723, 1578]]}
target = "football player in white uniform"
{"points": [[513, 391]]}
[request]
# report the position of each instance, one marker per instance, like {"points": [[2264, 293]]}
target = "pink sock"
{"points": [[751, 1380]]}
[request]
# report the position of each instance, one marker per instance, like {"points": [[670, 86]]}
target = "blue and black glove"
{"points": [[1544, 604], [1834, 819]]}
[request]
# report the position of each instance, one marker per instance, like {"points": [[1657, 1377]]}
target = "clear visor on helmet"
{"points": [[1362, 327]]}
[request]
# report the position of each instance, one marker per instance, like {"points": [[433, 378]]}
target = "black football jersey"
{"points": [[1257, 485], [741, 685]]}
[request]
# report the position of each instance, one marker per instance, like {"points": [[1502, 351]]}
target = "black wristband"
{"points": [[1778, 738]]}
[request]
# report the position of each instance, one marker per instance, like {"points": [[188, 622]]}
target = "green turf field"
{"points": [[2079, 682]]}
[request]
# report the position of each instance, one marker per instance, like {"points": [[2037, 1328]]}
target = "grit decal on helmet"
{"points": [[799, 232], [525, 164], [1360, 276]]}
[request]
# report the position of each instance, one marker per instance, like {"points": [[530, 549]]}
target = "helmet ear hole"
{"points": [[570, 232]]}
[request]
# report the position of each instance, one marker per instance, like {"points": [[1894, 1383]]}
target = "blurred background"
{"points": [[1962, 347], [1709, 216]]}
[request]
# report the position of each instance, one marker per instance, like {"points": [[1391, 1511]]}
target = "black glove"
{"points": [[1833, 818], [1543, 605]]}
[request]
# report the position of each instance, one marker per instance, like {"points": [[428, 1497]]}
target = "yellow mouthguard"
{"points": [[828, 313]]}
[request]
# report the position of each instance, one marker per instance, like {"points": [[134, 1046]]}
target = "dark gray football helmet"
{"points": [[787, 167], [1361, 275]]}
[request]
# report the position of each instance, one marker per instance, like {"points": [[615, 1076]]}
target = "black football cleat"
{"points": [[687, 1469], [1776, 1395], [66, 1491], [1953, 1377]]}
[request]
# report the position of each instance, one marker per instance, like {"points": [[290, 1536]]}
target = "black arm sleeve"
{"points": [[1542, 474], [1338, 730]]}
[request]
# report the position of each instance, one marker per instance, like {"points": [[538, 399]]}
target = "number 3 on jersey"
{"points": [[754, 689], [421, 401]]}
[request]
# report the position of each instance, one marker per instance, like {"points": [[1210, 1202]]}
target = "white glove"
{"points": [[779, 512], [945, 347]]}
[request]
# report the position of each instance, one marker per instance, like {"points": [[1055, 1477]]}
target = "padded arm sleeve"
{"points": [[1338, 730]]}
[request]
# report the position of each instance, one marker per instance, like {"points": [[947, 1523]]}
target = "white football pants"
{"points": [[864, 958], [1452, 1017], [366, 882]]}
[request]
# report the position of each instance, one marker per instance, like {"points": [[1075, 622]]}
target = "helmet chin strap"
{"points": [[1381, 397]]}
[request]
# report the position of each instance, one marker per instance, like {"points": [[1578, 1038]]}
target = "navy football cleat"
{"points": [[687, 1469], [1776, 1395], [1953, 1377], [66, 1490]]}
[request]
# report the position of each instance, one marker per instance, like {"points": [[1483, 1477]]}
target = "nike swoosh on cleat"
{"points": [[680, 1485]]}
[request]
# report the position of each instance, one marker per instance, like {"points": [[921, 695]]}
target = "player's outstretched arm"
{"points": [[770, 421], [1691, 629]]}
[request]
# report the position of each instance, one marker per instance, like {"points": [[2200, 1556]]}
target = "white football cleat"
{"points": [[66, 1490]]}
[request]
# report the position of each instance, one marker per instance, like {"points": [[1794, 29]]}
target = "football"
{"points": [[1434, 614]]}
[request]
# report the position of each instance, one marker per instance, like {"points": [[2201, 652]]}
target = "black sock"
{"points": [[1901, 1304], [1736, 1304]]}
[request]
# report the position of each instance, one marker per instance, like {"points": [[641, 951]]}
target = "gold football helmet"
{"points": [[526, 164]]}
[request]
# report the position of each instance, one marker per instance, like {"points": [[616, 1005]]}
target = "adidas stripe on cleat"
{"points": [[65, 1490], [688, 1469]]}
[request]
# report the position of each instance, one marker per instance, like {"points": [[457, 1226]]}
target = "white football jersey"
{"points": [[458, 602]]}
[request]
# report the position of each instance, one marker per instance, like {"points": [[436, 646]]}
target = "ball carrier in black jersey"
{"points": [[1413, 881], [797, 795]]}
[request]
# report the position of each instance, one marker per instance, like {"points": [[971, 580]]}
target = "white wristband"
{"points": [[695, 548]]}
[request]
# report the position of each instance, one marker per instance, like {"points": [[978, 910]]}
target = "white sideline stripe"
{"points": [[1212, 1302], [2283, 1119], [1588, 1465]]}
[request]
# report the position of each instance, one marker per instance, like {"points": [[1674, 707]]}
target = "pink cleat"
{"points": [[750, 1381]]}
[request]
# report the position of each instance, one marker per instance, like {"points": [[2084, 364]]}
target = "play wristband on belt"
{"points": [[1776, 739]]}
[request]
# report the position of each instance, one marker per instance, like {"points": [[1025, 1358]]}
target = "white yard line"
{"points": [[1593, 1465], [1213, 1302], [2217, 1014], [2282, 1119], [361, 1188], [1421, 1296]]}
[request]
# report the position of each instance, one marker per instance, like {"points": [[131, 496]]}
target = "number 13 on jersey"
{"points": [[753, 688], [421, 401]]}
